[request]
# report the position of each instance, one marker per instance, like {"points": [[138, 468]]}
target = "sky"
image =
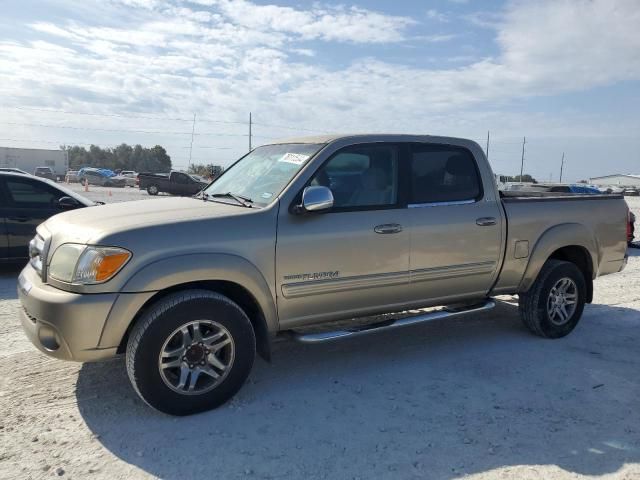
{"points": [[565, 74]]}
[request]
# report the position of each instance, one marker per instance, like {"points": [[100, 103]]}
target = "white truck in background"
{"points": [[28, 159]]}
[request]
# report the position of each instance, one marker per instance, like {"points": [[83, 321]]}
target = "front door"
{"points": [[353, 259], [455, 226], [182, 183]]}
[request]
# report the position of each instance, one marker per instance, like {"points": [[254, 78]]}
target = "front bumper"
{"points": [[61, 324]]}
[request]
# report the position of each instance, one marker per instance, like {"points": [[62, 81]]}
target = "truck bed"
{"points": [[595, 223], [519, 196]]}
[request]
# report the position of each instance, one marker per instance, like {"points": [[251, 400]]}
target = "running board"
{"points": [[392, 323]]}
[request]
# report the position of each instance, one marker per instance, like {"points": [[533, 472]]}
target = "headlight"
{"points": [[74, 263]]}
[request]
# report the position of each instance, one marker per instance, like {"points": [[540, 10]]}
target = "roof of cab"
{"points": [[371, 137]]}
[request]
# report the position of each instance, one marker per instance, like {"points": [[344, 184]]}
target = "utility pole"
{"points": [[524, 140], [561, 167], [487, 144], [193, 130], [250, 131]]}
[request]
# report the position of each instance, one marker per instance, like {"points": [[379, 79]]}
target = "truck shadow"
{"points": [[441, 400]]}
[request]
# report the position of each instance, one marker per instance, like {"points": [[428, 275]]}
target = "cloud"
{"points": [[433, 14], [356, 25], [222, 59]]}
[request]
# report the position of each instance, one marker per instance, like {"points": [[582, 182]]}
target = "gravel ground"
{"points": [[476, 396]]}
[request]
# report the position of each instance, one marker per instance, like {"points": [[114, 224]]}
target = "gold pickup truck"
{"points": [[307, 232]]}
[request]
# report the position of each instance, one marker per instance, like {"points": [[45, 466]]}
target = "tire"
{"points": [[152, 190], [537, 308], [164, 388]]}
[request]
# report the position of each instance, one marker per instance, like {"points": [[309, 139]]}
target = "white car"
{"points": [[130, 177]]}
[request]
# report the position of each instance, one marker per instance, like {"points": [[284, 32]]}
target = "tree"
{"points": [[526, 178], [122, 157], [213, 171]]}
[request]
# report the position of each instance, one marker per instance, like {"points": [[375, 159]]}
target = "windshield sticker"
{"points": [[295, 158], [267, 195]]}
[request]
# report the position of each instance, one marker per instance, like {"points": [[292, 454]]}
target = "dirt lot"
{"points": [[476, 396]]}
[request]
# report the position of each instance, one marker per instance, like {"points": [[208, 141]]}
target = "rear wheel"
{"points": [[190, 352], [152, 190], [553, 306]]}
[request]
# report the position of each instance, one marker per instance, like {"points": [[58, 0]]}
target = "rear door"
{"points": [[455, 225], [29, 203]]}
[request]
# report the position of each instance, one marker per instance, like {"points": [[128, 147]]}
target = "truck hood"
{"points": [[90, 225]]}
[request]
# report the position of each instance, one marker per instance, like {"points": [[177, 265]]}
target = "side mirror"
{"points": [[316, 199], [68, 202]]}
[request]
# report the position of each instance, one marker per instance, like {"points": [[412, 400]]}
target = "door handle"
{"points": [[388, 228], [18, 219], [485, 221]]}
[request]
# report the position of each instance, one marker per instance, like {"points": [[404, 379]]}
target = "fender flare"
{"points": [[186, 269], [555, 238]]}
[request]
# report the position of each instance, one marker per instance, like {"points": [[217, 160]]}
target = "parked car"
{"points": [[175, 183], [130, 178], [45, 172], [583, 189], [71, 176], [13, 170], [25, 202], [305, 233], [631, 192], [101, 177]]}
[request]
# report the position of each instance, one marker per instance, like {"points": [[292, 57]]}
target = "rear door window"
{"points": [[443, 173]]}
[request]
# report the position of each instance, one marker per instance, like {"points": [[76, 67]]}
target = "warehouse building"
{"points": [[28, 159], [616, 180]]}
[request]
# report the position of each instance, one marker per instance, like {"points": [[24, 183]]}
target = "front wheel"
{"points": [[152, 190], [553, 306], [190, 352]]}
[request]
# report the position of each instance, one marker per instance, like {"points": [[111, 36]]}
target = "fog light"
{"points": [[48, 338]]}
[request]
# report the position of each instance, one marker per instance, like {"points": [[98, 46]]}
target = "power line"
{"points": [[109, 145], [145, 117], [175, 119], [300, 129], [153, 132]]}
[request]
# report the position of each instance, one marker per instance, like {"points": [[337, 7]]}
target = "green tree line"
{"points": [[122, 157], [526, 178]]}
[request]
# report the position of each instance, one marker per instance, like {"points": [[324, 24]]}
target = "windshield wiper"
{"points": [[242, 200]]}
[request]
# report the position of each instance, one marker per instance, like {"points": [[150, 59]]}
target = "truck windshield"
{"points": [[262, 174]]}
